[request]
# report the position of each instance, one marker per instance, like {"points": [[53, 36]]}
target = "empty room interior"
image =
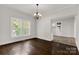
{"points": [[39, 29]]}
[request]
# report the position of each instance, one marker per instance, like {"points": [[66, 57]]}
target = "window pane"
{"points": [[16, 27], [26, 27]]}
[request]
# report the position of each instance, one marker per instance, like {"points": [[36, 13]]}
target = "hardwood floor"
{"points": [[64, 40], [29, 47], [37, 46], [63, 49]]}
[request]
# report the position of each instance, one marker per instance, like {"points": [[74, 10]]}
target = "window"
{"points": [[19, 27]]}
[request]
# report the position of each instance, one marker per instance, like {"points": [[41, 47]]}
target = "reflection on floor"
{"points": [[65, 40], [29, 47], [64, 45], [37, 46]]}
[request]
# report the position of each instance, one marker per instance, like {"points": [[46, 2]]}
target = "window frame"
{"points": [[21, 21]]}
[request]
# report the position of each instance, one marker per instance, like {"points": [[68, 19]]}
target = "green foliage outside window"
{"points": [[20, 27]]}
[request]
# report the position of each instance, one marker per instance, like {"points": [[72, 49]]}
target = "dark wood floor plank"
{"points": [[30, 47]]}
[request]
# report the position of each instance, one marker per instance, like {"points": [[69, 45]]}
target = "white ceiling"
{"points": [[44, 9]]}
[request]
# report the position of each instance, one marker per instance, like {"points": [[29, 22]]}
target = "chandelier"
{"points": [[37, 15]]}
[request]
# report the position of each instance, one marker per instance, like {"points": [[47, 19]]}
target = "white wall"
{"points": [[76, 29], [44, 29], [67, 27], [5, 33]]}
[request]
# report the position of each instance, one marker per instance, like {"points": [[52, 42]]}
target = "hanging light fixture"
{"points": [[37, 15]]}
